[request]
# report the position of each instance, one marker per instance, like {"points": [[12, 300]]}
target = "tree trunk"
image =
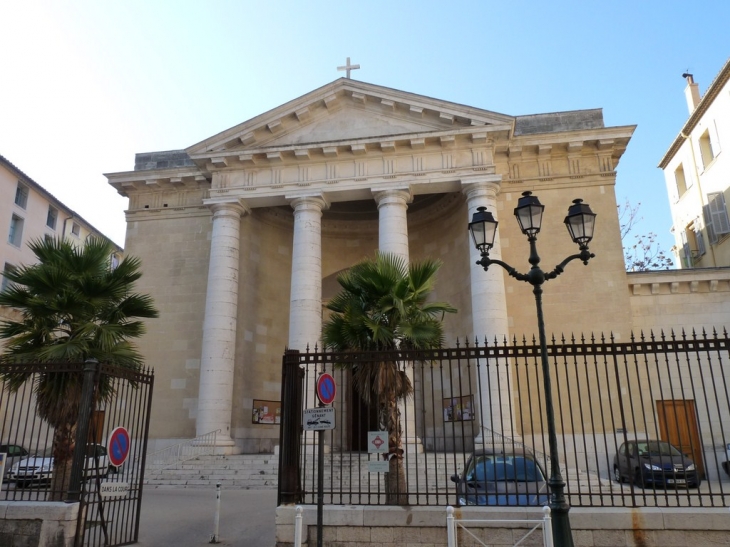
{"points": [[396, 485], [63, 449]]}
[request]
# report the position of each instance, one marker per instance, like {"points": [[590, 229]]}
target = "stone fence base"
{"points": [[38, 524], [360, 526]]}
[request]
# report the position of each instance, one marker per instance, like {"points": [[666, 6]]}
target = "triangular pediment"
{"points": [[346, 111]]}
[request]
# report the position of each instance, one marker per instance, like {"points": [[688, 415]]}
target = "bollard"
{"points": [[547, 527], [217, 518], [298, 527], [450, 531]]}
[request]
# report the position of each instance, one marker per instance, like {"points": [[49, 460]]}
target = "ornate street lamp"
{"points": [[580, 223]]}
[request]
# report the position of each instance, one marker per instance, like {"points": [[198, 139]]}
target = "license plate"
{"points": [[676, 481]]}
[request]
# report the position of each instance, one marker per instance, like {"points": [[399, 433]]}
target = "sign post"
{"points": [[318, 420]]}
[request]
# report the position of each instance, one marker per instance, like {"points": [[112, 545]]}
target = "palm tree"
{"points": [[383, 306], [73, 306]]}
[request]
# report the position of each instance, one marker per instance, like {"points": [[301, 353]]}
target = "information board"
{"points": [[319, 419]]}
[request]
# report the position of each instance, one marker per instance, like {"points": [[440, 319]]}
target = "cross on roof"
{"points": [[348, 67]]}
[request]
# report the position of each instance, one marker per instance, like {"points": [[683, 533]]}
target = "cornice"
{"points": [[710, 95], [266, 156], [158, 179], [671, 282]]}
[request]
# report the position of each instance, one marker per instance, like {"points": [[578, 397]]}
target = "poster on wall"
{"points": [[459, 409], [266, 412]]}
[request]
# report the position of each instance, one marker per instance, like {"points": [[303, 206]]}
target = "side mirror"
{"points": [[455, 478]]}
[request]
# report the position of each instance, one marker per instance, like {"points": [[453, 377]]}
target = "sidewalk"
{"points": [[183, 517]]}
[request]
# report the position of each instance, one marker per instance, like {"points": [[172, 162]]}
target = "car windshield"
{"points": [[42, 453], [657, 448], [493, 467]]}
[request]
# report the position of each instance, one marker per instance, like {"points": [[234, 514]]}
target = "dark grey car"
{"points": [[500, 475], [654, 463]]}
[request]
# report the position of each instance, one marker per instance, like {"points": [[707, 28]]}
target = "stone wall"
{"points": [[358, 526], [33, 524]]}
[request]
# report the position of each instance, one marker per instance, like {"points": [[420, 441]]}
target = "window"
{"points": [[52, 217], [114, 262], [681, 180], [5, 282], [16, 230], [699, 238], [708, 154], [716, 218], [21, 195], [686, 250], [693, 245], [75, 229]]}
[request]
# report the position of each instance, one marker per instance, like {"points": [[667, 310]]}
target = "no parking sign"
{"points": [[118, 446], [326, 388]]}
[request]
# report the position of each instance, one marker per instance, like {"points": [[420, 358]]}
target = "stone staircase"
{"points": [[426, 472], [246, 471]]}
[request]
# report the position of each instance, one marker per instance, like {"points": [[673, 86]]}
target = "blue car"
{"points": [[500, 475]]}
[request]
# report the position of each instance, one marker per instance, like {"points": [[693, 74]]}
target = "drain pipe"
{"points": [[217, 518]]}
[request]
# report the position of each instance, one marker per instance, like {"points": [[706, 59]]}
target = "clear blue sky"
{"points": [[87, 84]]}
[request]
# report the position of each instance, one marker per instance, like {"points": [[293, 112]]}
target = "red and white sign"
{"points": [[118, 446], [326, 388], [377, 442]]}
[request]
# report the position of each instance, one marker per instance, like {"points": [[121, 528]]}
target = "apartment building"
{"points": [[29, 212], [697, 175]]}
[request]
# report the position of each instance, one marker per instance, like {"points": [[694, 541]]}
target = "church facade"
{"points": [[242, 235]]}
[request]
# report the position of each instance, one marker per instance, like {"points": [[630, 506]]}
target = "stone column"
{"points": [[393, 239], [489, 314], [215, 393], [393, 225], [305, 308]]}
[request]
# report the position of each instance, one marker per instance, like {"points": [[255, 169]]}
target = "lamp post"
{"points": [[580, 223]]}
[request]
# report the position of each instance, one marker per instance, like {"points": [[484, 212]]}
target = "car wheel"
{"points": [[617, 475], [697, 484], [639, 479]]}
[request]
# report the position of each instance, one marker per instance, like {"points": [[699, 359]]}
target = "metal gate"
{"points": [[107, 397]]}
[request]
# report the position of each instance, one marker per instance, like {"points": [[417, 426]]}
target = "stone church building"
{"points": [[242, 235]]}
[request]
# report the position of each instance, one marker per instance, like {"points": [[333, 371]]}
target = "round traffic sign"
{"points": [[118, 446], [326, 388]]}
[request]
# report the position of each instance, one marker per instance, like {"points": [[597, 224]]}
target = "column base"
{"points": [[496, 438], [414, 445]]}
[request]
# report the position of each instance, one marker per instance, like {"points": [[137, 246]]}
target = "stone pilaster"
{"points": [[489, 311], [305, 311], [215, 393], [393, 224]]}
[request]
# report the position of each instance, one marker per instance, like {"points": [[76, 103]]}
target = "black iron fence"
{"points": [[618, 404], [52, 458]]}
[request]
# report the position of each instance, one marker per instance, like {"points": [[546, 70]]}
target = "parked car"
{"points": [[502, 475], [14, 453], [654, 463], [39, 468]]}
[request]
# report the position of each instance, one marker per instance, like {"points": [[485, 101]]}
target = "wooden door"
{"points": [[96, 427], [678, 426]]}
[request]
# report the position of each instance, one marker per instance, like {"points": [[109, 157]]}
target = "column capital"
{"points": [[311, 202], [226, 206], [483, 186], [388, 196]]}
